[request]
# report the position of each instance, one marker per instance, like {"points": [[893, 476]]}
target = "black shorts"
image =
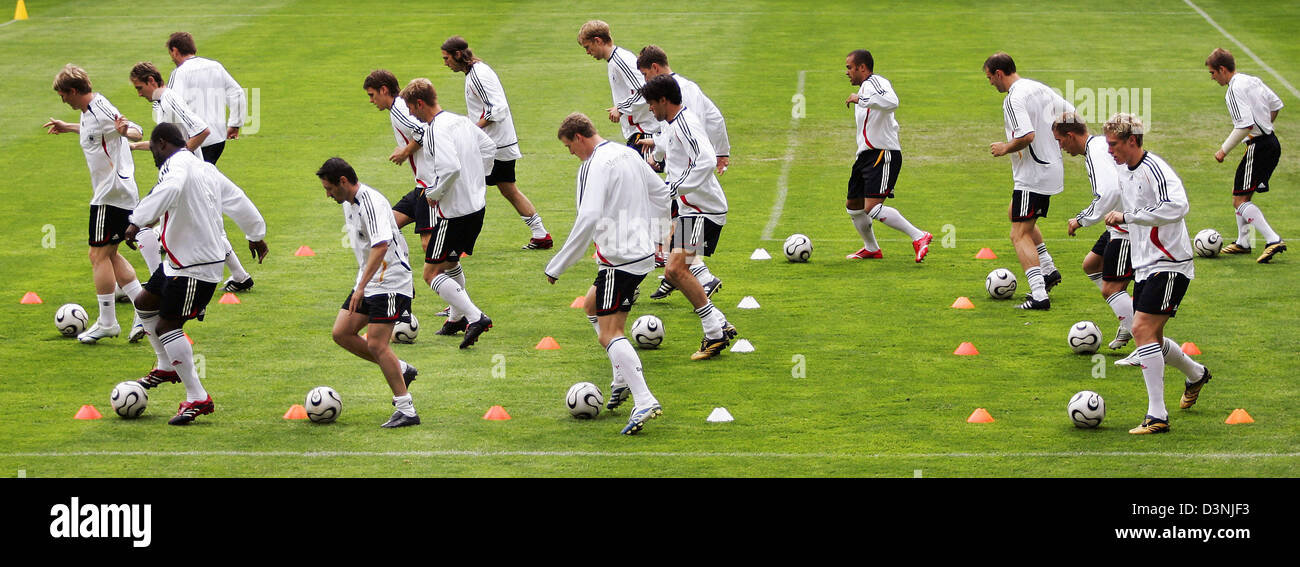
{"points": [[695, 235], [1160, 293], [416, 206], [615, 290], [1257, 165], [658, 166], [454, 236], [213, 153], [1117, 263], [1027, 205], [107, 225], [502, 172], [874, 174], [183, 298], [1099, 247], [387, 308]]}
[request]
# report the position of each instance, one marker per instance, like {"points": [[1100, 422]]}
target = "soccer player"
{"points": [[1154, 206], [630, 110], [104, 136], [618, 198], [879, 160], [382, 293], [652, 62], [1109, 264], [485, 101], [209, 89], [1028, 109], [1253, 108], [461, 154], [382, 88], [701, 206]]}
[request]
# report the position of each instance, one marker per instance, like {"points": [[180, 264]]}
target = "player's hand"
{"points": [[998, 149], [121, 124], [646, 144], [129, 236], [614, 114], [354, 303], [1114, 218], [232, 133], [56, 126], [852, 100], [258, 249], [723, 162], [551, 279], [399, 156], [1073, 225], [1219, 155]]}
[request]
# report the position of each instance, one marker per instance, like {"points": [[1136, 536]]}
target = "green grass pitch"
{"points": [[853, 374]]}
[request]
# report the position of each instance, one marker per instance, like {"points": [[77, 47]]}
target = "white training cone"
{"points": [[743, 345], [720, 415], [760, 254], [748, 303]]}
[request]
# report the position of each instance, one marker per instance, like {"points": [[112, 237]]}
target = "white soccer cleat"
{"points": [[96, 332], [1122, 337], [137, 330], [1130, 360]]}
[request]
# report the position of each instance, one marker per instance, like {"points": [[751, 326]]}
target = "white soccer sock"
{"points": [[1174, 356], [595, 324], [535, 224], [150, 248], [701, 272], [862, 222], [1045, 260], [454, 294], [457, 273], [1037, 288], [1243, 230], [711, 324], [1122, 304], [150, 321], [107, 309], [1251, 214], [405, 404], [1153, 372], [237, 271], [1096, 279], [628, 365], [132, 289], [894, 219], [182, 358]]}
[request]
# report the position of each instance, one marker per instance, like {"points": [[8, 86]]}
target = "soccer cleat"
{"points": [[190, 410], [446, 312], [712, 287], [409, 375], [1235, 248], [1122, 337], [158, 377], [474, 330], [660, 261], [617, 395], [729, 331], [865, 254], [1050, 280], [1272, 250], [452, 327], [544, 243], [1151, 425], [710, 348], [1130, 360], [1192, 390], [922, 246], [1035, 304], [96, 332], [233, 286], [137, 331], [400, 419], [640, 416], [665, 289]]}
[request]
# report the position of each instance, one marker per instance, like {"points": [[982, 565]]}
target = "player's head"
{"points": [[457, 55], [578, 133], [1124, 136], [338, 178], [146, 79], [1222, 65], [165, 140], [72, 83], [180, 46], [421, 98], [1071, 133], [1000, 68], [381, 86], [858, 66], [652, 62], [662, 93], [594, 37]]}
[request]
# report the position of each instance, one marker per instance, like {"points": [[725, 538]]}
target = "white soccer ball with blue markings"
{"points": [[1084, 337], [129, 399], [71, 319], [1087, 409], [1207, 243], [323, 404], [405, 332], [647, 332], [797, 248], [584, 400], [1000, 283]]}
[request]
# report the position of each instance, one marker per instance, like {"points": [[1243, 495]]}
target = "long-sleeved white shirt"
{"points": [[709, 114], [186, 202], [407, 127], [462, 156], [689, 161], [108, 155], [236, 204], [485, 99], [1104, 177], [1032, 107], [1251, 104], [369, 220], [625, 83], [210, 91], [1155, 204], [877, 129]]}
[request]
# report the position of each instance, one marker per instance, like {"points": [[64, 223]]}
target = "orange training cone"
{"points": [[548, 343], [1239, 416], [229, 299], [966, 349], [304, 250], [30, 298], [980, 415], [1189, 347], [986, 254], [496, 413], [579, 302], [87, 412], [20, 12], [296, 411], [963, 302]]}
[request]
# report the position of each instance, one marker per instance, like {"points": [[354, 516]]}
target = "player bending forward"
{"points": [[618, 196]]}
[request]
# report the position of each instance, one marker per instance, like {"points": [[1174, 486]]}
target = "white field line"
{"points": [[643, 454], [7, 23], [782, 186], [1244, 49]]}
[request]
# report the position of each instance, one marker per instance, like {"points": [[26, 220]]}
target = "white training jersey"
{"points": [[1251, 104], [236, 204], [108, 155], [462, 156], [714, 124], [620, 200], [1031, 107], [877, 129], [1104, 177], [625, 83], [407, 127], [485, 99], [370, 223], [1155, 204], [689, 162], [171, 108], [210, 91], [192, 235]]}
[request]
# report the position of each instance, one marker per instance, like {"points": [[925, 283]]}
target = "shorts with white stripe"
{"points": [[1160, 293], [454, 236], [1099, 247], [414, 205], [1257, 165], [388, 308], [615, 290], [1116, 263], [183, 298], [1027, 205], [695, 235], [107, 225], [874, 174]]}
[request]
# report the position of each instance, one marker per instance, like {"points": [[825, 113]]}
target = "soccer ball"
{"points": [[648, 331], [1000, 283], [404, 332], [71, 319], [129, 399], [323, 404], [584, 400], [1207, 243], [1087, 409], [1084, 337], [798, 248]]}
